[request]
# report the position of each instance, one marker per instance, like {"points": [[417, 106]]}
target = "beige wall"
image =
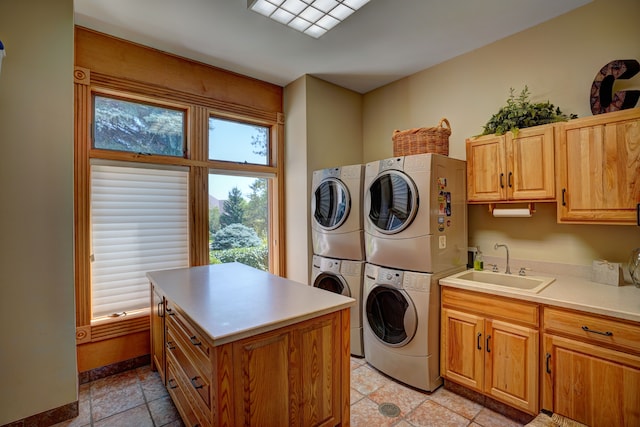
{"points": [[37, 336], [557, 60], [323, 128]]}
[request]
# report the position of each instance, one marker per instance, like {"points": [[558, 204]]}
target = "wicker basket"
{"points": [[422, 140]]}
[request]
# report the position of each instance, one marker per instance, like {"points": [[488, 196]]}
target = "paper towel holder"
{"points": [[531, 206]]}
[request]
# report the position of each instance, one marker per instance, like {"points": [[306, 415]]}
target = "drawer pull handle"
{"points": [[488, 349], [509, 180], [195, 384], [564, 201], [606, 334], [170, 345], [170, 312], [194, 340], [501, 180], [478, 341], [548, 359], [172, 383]]}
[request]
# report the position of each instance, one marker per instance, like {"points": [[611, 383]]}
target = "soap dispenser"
{"points": [[478, 262]]}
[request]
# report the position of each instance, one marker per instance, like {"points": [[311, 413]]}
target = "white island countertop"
{"points": [[234, 301], [622, 302]]}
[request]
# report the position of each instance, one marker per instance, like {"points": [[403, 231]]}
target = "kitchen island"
{"points": [[238, 346]]}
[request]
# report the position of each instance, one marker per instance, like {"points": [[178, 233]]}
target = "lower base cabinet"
{"points": [[293, 376], [490, 345], [591, 368]]}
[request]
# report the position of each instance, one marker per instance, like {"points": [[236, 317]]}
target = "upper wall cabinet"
{"points": [[599, 168], [509, 168]]}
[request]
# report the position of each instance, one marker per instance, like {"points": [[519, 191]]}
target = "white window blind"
{"points": [[139, 223]]}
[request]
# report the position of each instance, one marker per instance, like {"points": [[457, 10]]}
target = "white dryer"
{"points": [[415, 213], [401, 322], [343, 277], [336, 212]]}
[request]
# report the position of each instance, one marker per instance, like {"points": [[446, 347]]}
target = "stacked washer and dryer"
{"points": [[384, 233], [337, 236], [415, 233]]}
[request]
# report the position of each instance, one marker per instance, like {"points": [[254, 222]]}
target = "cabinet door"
{"points": [[599, 159], [591, 384], [530, 164], [462, 352], [157, 333], [292, 377], [511, 364], [486, 169]]}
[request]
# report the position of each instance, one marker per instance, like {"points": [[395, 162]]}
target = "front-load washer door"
{"points": [[391, 315], [333, 283], [331, 204], [392, 200]]}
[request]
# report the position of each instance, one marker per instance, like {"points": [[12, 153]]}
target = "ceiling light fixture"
{"points": [[312, 17]]}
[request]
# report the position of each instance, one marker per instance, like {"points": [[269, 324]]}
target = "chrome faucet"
{"points": [[498, 245]]}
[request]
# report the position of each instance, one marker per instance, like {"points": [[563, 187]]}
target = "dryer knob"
{"points": [[389, 276]]}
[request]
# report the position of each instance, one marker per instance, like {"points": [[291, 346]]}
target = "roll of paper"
{"points": [[511, 213]]}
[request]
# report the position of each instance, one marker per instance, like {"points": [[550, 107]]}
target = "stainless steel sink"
{"points": [[532, 284]]}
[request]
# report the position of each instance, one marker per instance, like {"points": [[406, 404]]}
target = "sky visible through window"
{"points": [[231, 141]]}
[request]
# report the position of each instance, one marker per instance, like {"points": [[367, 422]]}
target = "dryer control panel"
{"points": [[387, 276]]}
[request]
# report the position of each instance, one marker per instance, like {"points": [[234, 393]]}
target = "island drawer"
{"points": [[194, 381], [594, 329], [492, 306], [181, 400], [193, 340]]}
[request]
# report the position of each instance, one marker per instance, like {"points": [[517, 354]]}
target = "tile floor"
{"points": [[136, 398]]}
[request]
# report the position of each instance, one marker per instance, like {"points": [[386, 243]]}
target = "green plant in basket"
{"points": [[520, 113]]}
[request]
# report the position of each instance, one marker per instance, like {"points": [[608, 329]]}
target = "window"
{"points": [[137, 127], [139, 223], [234, 141], [239, 203], [142, 168], [238, 220]]}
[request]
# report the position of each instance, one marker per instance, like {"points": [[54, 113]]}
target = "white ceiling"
{"points": [[383, 42]]}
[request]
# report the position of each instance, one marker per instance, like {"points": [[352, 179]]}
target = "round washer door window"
{"points": [[332, 283], [391, 315], [331, 204], [393, 201]]}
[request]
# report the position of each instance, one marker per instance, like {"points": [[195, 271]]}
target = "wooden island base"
{"points": [[294, 375]]}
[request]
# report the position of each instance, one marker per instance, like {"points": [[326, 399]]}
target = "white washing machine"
{"points": [[336, 212], [401, 324], [415, 213], [343, 277]]}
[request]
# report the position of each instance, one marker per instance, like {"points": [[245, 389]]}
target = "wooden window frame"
{"points": [[99, 79]]}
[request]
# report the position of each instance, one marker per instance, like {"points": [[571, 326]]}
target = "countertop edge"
{"points": [[547, 297]]}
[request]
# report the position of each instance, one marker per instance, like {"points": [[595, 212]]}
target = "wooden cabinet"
{"points": [[591, 368], [509, 168], [598, 163], [297, 375], [490, 344], [157, 333]]}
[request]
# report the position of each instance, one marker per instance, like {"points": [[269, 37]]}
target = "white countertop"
{"points": [[233, 301], [576, 293]]}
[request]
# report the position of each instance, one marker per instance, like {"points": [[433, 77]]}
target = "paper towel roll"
{"points": [[515, 213]]}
